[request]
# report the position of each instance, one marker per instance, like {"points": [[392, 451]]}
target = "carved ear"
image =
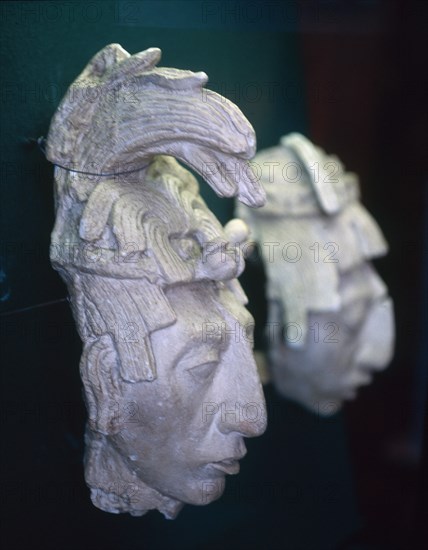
{"points": [[99, 372]]}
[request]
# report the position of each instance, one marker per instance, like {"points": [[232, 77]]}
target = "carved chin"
{"points": [[197, 491]]}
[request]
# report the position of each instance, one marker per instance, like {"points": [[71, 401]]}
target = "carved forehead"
{"points": [[208, 303], [197, 299]]}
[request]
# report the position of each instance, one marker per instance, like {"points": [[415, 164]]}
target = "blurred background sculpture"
{"points": [[151, 275], [330, 320]]}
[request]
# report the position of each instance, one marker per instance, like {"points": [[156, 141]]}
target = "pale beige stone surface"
{"points": [[170, 391], [330, 323]]}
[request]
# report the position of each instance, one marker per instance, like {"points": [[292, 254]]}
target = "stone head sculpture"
{"points": [[330, 320], [169, 377]]}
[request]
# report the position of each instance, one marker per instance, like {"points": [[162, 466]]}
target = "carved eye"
{"points": [[203, 372]]}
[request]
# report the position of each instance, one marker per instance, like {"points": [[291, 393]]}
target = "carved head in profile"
{"points": [[170, 381], [330, 322]]}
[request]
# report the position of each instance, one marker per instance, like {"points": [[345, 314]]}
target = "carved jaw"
{"points": [[115, 487]]}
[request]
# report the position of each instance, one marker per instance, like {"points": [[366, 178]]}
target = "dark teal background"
{"points": [[295, 490]]}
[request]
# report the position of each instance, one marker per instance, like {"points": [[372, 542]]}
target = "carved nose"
{"points": [[244, 410], [248, 419], [376, 339]]}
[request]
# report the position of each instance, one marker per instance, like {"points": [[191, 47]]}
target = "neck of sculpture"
{"points": [[115, 487]]}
